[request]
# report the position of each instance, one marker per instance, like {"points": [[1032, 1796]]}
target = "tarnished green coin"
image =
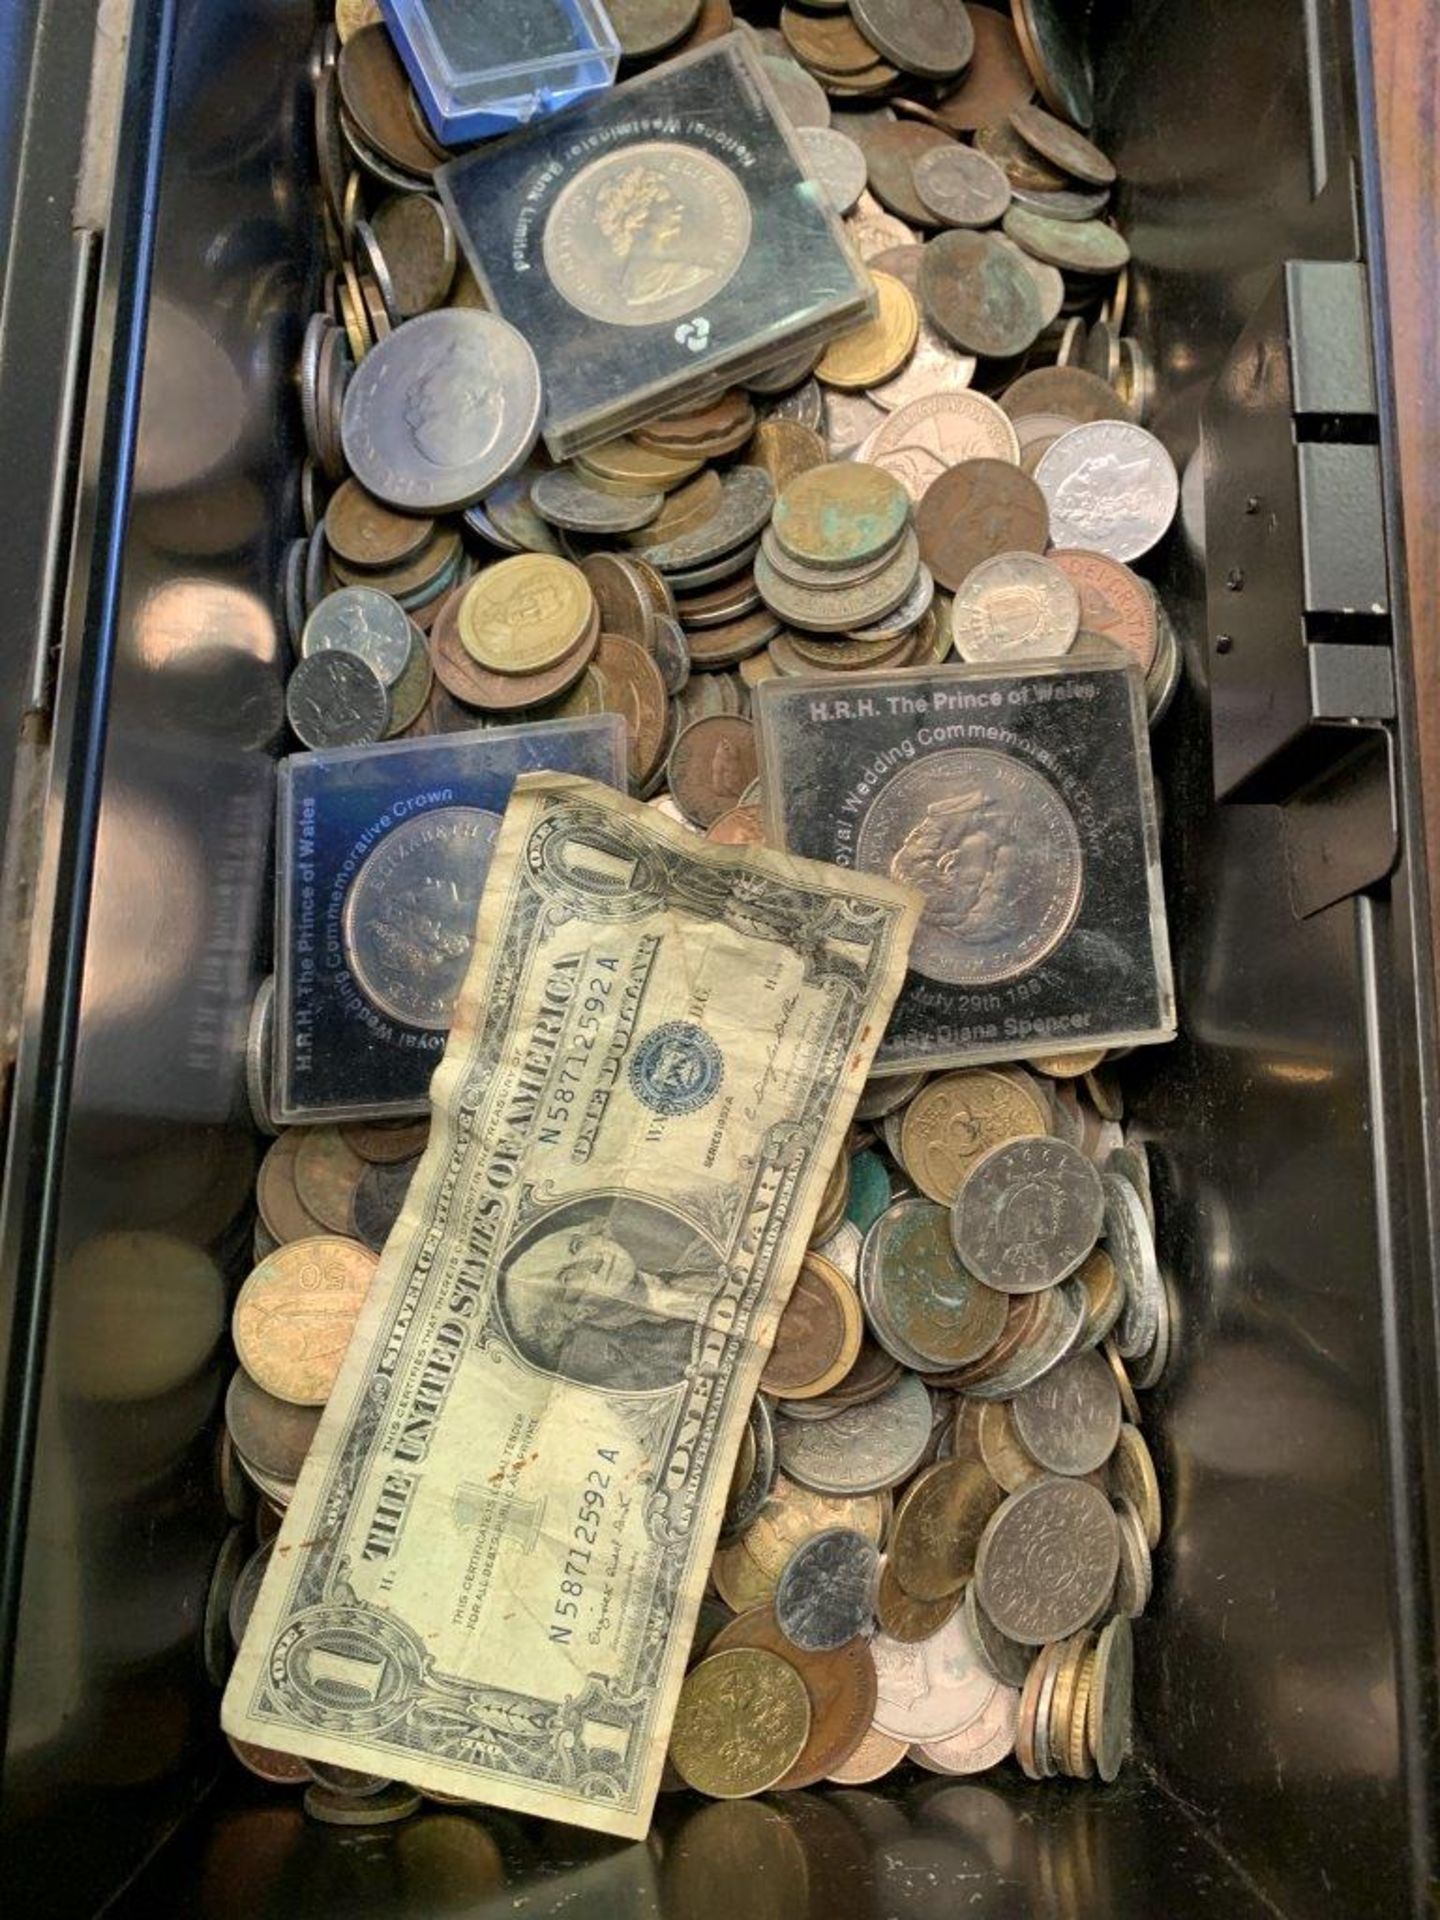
{"points": [[841, 514], [920, 1299], [1079, 246]]}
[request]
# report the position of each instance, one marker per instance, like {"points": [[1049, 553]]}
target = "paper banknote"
{"points": [[488, 1578]]}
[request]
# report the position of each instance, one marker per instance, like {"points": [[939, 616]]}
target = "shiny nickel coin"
{"points": [[1047, 1560], [442, 410], [409, 921], [1111, 488], [834, 160], [364, 622], [1070, 1420], [826, 1594], [1015, 606], [1028, 1214], [961, 186], [1131, 1246], [336, 699]]}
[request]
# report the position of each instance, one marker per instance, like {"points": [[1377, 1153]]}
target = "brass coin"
{"points": [[295, 1314], [741, 1723], [625, 463], [840, 515], [1132, 1473], [631, 685], [711, 764], [367, 533], [1003, 1451], [785, 448], [281, 1208], [818, 1338], [830, 41], [1076, 1755], [1104, 1296], [938, 1525], [327, 1172], [904, 1617], [350, 16], [524, 616], [958, 1117], [622, 595], [1067, 1066], [392, 1802], [746, 1571], [879, 348], [841, 1685], [976, 510]]}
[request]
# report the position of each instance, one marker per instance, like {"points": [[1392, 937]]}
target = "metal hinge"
{"points": [[1301, 672]]}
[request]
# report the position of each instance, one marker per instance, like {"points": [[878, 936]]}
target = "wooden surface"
{"points": [[1406, 40]]}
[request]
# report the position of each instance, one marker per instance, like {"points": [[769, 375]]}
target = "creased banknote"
{"points": [[488, 1578]]}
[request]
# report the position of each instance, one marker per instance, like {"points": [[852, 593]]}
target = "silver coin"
{"points": [[1131, 1245], [1047, 1560], [851, 420], [932, 38], [1149, 1367], [834, 160], [1005, 1659], [563, 498], [1110, 486], [825, 1596], [1061, 1326], [747, 497], [887, 1094], [392, 1802], [442, 410], [804, 404], [863, 1449], [378, 268], [996, 853], [799, 92], [1112, 1683], [1015, 606], [409, 920], [784, 376], [962, 186], [246, 1591], [646, 234], [841, 609], [347, 1779], [379, 1199], [337, 700], [1136, 1575], [259, 1056], [744, 1507], [983, 1744], [907, 616], [365, 622], [934, 367], [725, 567], [1027, 1214], [1070, 1420], [872, 230], [842, 1250], [1132, 1162], [930, 1689]]}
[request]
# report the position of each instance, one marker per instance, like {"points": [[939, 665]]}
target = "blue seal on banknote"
{"points": [[677, 1068]]}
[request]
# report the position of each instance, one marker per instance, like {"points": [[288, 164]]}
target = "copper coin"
{"points": [[1066, 390], [904, 1617], [996, 81], [622, 595], [367, 533], [632, 686], [1079, 246], [937, 1528], [647, 27], [383, 1143], [281, 1207], [980, 508], [741, 827], [840, 515], [1060, 143], [830, 41], [979, 294], [375, 92], [891, 151], [961, 187], [733, 640], [959, 1116], [841, 1686], [921, 439], [877, 1754], [269, 1434], [327, 1172], [296, 1312], [1025, 169], [689, 506], [711, 764], [1053, 42], [1113, 601], [818, 1338], [499, 692], [266, 1763]]}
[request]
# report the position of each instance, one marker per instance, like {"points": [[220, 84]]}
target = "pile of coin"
{"points": [[943, 1513]]}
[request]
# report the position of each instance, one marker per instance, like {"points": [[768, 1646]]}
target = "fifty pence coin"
{"points": [[826, 1594], [442, 410], [409, 921], [1027, 1215]]}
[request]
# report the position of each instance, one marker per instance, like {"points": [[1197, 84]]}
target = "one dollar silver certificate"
{"points": [[488, 1578]]}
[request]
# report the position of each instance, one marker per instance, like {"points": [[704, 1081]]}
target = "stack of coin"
{"points": [[943, 1516]]}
